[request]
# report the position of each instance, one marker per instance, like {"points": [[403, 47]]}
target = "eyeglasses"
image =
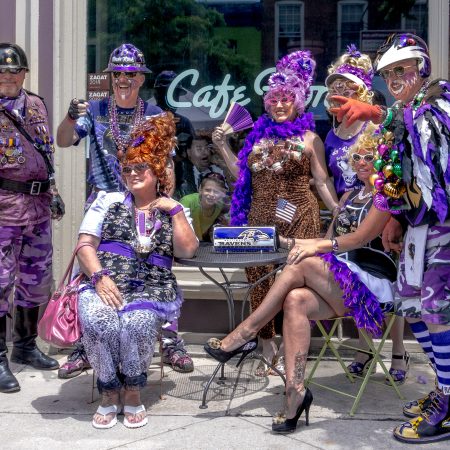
{"points": [[284, 98], [138, 168], [11, 70], [127, 74], [367, 158], [398, 72], [345, 88]]}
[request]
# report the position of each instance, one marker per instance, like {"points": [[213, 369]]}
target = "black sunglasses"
{"points": [[11, 70], [127, 74], [138, 168]]}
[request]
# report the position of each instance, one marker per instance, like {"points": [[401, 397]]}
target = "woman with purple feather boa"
{"points": [[280, 156]]}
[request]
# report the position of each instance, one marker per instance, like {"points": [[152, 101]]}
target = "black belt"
{"points": [[25, 187]]}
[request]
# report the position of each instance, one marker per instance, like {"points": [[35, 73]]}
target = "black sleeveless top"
{"points": [[371, 257]]}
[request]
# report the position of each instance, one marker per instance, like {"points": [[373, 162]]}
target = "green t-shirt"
{"points": [[201, 223]]}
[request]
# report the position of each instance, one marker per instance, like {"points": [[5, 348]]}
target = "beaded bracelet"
{"points": [[388, 118], [96, 276]]}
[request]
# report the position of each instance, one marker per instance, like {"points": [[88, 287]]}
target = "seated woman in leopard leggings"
{"points": [[131, 291]]}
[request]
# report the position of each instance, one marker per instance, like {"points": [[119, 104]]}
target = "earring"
{"points": [[157, 186]]}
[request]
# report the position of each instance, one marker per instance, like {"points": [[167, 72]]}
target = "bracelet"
{"points": [[175, 210], [388, 119], [96, 276], [334, 245], [290, 244], [335, 210]]}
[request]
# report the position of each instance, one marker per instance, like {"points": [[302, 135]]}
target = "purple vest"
{"points": [[20, 161]]}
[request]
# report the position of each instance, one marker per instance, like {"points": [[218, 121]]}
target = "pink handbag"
{"points": [[59, 325]]}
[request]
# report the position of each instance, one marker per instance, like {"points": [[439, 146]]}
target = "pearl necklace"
{"points": [[362, 196], [120, 140]]}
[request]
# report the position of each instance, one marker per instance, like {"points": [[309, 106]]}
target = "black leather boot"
{"points": [[25, 350], [8, 382]]}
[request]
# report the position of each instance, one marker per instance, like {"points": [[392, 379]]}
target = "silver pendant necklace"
{"points": [[362, 196]]}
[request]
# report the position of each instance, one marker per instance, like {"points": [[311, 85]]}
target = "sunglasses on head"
{"points": [[138, 168], [127, 74], [367, 158], [398, 71], [11, 70]]}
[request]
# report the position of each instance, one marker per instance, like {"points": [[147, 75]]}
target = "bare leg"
{"points": [[132, 397], [300, 306], [109, 398], [311, 272]]}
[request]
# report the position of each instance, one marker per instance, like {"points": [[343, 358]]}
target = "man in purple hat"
{"points": [[417, 129], [28, 202], [108, 124]]}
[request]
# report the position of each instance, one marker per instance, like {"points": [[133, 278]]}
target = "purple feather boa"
{"points": [[264, 127], [363, 305]]}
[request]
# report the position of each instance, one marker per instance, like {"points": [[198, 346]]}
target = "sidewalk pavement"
{"points": [[49, 413]]}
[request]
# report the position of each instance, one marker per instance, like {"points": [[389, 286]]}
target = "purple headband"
{"points": [[361, 74]]}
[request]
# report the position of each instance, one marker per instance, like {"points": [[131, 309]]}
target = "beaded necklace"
{"points": [[417, 100], [122, 141], [362, 196]]}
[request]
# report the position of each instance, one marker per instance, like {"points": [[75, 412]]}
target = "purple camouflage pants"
{"points": [[25, 264]]}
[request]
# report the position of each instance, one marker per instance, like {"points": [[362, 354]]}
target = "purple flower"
{"points": [[353, 51]]}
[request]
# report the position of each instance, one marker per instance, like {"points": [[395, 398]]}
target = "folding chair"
{"points": [[374, 349]]}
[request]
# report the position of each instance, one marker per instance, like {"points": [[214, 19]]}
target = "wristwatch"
{"points": [[175, 210], [334, 245]]}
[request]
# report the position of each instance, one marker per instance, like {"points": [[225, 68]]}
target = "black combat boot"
{"points": [[25, 350], [8, 382]]}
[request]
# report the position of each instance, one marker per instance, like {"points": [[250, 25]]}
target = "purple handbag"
{"points": [[59, 325]]}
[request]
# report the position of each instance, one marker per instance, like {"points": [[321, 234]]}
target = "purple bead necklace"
{"points": [[122, 141]]}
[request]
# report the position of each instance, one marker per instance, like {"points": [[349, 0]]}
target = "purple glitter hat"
{"points": [[294, 74], [127, 58], [352, 72]]}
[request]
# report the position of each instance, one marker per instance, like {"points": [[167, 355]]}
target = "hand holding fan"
{"points": [[237, 119]]}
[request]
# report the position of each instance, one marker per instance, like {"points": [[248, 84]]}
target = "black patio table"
{"points": [[207, 258]]}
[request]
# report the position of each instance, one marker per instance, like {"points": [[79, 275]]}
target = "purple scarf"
{"points": [[264, 127]]}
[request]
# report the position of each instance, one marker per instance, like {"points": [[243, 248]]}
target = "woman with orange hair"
{"points": [[130, 290]]}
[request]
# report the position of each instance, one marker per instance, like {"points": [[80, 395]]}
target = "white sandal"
{"points": [[134, 410], [104, 411]]}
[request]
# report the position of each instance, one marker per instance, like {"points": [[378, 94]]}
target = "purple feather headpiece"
{"points": [[294, 75]]}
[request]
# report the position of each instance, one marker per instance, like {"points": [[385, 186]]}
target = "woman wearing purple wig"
{"points": [[280, 156]]}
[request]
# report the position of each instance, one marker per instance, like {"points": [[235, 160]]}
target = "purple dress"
{"points": [[336, 154]]}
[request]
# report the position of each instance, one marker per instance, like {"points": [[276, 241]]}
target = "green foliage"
{"points": [[173, 34]]}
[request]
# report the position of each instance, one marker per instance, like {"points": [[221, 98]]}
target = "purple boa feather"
{"points": [[264, 127], [363, 305]]}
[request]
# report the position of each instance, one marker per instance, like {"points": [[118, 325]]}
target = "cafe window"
{"points": [[417, 19], [352, 17], [289, 27]]}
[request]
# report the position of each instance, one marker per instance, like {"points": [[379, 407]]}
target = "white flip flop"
{"points": [[104, 411], [134, 410]]}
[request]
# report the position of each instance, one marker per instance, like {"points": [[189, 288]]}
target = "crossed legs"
{"points": [[305, 291]]}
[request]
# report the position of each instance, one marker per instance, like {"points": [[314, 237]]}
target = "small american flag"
{"points": [[285, 210]]}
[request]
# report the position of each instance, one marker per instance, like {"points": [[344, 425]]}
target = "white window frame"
{"points": [[339, 18], [277, 23]]}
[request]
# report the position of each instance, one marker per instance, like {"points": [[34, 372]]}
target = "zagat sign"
{"points": [[217, 98]]}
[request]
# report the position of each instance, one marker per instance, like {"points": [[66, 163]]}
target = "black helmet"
{"points": [[165, 78], [12, 57]]}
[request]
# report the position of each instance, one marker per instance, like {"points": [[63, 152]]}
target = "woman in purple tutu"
{"points": [[324, 278]]}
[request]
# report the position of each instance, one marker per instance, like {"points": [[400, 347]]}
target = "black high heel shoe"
{"points": [[289, 425], [212, 347]]}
